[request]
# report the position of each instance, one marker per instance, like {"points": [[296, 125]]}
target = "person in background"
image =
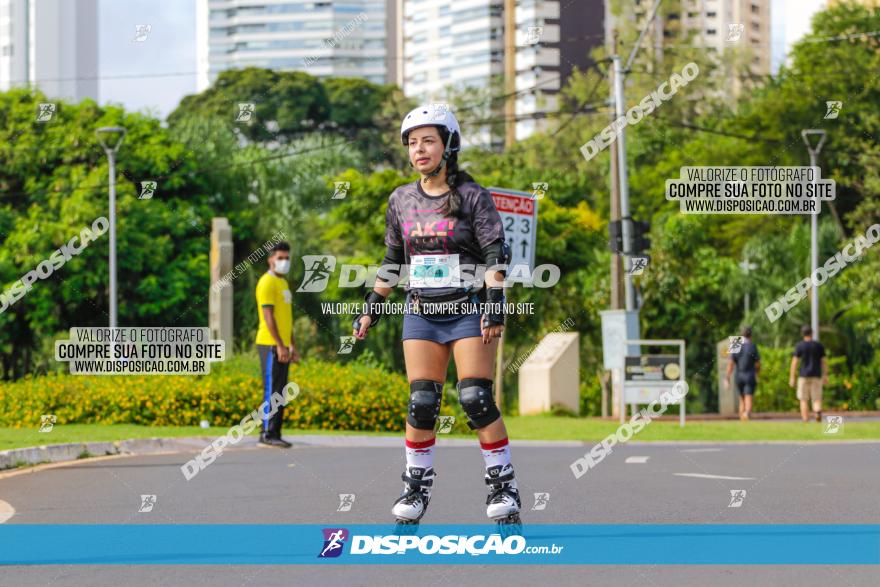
{"points": [[748, 364], [275, 338], [813, 373]]}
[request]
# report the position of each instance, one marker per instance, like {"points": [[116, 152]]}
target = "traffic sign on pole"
{"points": [[519, 216]]}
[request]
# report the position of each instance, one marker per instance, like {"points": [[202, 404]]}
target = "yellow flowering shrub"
{"points": [[332, 396]]}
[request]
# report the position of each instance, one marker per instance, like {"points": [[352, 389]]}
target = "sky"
{"points": [[167, 58], [794, 24]]}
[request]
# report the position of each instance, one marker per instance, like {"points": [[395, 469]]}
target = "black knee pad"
{"points": [[424, 403], [478, 401]]}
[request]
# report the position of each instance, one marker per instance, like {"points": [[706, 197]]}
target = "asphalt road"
{"points": [[661, 484]]}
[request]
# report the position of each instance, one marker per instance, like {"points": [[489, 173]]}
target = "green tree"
{"points": [[54, 183]]}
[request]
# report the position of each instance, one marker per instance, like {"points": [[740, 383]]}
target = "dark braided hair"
{"points": [[454, 177]]}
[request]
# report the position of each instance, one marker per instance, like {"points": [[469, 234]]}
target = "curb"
{"points": [[57, 453]]}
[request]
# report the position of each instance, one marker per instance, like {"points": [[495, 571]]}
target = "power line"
{"points": [[399, 56], [752, 138], [840, 37], [583, 104], [23, 82], [734, 45], [203, 170], [592, 65], [438, 51], [592, 109]]}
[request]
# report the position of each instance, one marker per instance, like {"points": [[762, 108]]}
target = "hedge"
{"points": [[357, 395], [845, 390], [333, 396]]}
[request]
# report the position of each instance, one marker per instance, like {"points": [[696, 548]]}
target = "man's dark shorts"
{"points": [[746, 385]]}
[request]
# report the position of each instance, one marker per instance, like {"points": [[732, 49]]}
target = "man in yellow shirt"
{"points": [[275, 338]]}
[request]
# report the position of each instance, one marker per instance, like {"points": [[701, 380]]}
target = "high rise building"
{"points": [[325, 38], [462, 43], [50, 44], [716, 24], [553, 38]]}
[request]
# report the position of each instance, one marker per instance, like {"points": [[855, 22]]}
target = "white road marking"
{"points": [[701, 450], [637, 460], [6, 511], [703, 476]]}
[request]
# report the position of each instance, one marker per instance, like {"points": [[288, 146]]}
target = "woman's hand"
{"points": [[491, 332], [365, 322]]}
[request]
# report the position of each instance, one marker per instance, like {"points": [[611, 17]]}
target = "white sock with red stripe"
{"points": [[420, 454], [496, 454]]}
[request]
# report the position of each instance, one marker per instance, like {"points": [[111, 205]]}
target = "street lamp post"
{"points": [[105, 134], [814, 226], [620, 70], [747, 268]]}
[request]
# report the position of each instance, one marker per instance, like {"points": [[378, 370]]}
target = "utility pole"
{"points": [[620, 110], [620, 193], [616, 269], [626, 226], [509, 140], [814, 227], [509, 73]]}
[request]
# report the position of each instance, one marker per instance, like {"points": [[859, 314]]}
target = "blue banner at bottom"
{"points": [[575, 544]]}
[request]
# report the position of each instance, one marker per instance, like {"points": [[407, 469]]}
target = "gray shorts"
{"points": [[442, 329]]}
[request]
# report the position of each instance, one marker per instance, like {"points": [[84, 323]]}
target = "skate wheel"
{"points": [[510, 525], [406, 527]]}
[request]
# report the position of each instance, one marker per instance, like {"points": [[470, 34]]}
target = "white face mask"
{"points": [[282, 266]]}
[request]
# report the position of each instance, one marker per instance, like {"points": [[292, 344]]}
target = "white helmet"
{"points": [[432, 115]]}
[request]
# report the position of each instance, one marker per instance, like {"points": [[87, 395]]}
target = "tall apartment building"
{"points": [[325, 38], [461, 43], [568, 32], [50, 44], [716, 24]]}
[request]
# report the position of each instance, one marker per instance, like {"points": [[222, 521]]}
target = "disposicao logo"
{"points": [[334, 540]]}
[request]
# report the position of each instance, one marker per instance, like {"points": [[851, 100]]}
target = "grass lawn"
{"points": [[592, 429], [519, 428]]}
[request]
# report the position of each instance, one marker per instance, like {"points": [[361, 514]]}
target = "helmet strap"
{"points": [[446, 153]]}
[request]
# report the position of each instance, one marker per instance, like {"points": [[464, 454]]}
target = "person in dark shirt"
{"points": [[748, 364], [812, 374]]}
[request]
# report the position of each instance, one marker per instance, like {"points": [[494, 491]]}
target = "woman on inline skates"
{"points": [[437, 227]]}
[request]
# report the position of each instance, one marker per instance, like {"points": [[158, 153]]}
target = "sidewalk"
{"points": [[865, 416], [58, 453]]}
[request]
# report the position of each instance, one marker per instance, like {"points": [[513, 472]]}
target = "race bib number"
{"points": [[434, 271]]}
